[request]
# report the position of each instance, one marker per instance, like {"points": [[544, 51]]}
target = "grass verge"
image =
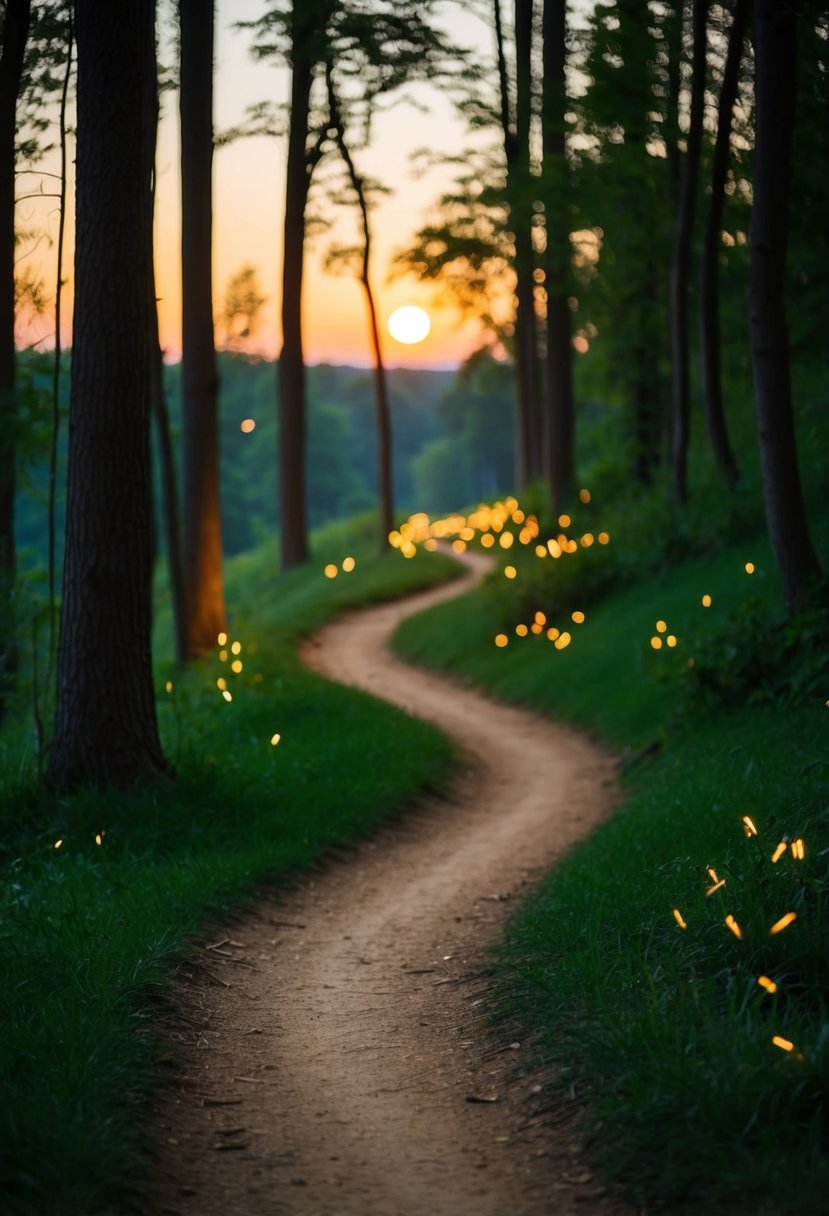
{"points": [[90, 931], [704, 1088]]}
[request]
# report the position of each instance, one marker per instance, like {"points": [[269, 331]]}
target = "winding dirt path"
{"points": [[332, 1040]]}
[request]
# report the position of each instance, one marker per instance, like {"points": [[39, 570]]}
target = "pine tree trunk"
{"points": [[291, 368], [775, 87], [560, 415], [710, 267], [15, 34], [202, 533], [681, 262], [105, 723]]}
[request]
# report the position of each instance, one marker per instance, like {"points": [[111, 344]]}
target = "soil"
{"points": [[335, 1057]]}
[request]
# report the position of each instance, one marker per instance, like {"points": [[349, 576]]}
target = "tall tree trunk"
{"points": [[560, 417], [15, 34], [169, 491], [521, 213], [775, 86], [680, 265], [524, 386], [291, 367], [204, 594], [385, 485], [710, 267], [105, 723]]}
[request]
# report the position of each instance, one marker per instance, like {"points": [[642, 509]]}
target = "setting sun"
{"points": [[409, 324]]}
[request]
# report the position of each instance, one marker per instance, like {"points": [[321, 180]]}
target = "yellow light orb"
{"points": [[521, 630], [749, 567], [501, 640], [236, 648], [348, 564], [236, 665], [661, 627], [275, 739], [578, 617], [656, 642], [510, 572], [222, 639], [584, 496], [706, 601], [247, 426], [487, 540], [409, 324], [330, 571]]}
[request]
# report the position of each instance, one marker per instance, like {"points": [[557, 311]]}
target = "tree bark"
{"points": [[775, 87], [681, 261], [521, 211], [291, 367], [202, 549], [560, 417], [15, 35], [710, 267], [105, 723]]}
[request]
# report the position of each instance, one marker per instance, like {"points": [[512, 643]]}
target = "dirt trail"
{"points": [[332, 1077]]}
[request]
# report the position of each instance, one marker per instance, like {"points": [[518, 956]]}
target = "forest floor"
{"points": [[335, 1056]]}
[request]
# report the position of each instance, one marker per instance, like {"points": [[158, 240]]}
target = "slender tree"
{"points": [[680, 266], [385, 482], [775, 87], [304, 25], [105, 723], [559, 394], [710, 337], [14, 36], [204, 593]]}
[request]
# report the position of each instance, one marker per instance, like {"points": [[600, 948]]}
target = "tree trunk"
{"points": [[385, 485], [681, 261], [291, 368], [15, 34], [204, 594], [775, 86], [105, 725], [710, 268], [520, 185], [560, 417], [524, 307], [169, 492]]}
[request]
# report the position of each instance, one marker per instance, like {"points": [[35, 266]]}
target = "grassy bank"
{"points": [[90, 931], [703, 1088]]}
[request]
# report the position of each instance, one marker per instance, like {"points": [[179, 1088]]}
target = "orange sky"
{"points": [[248, 208]]}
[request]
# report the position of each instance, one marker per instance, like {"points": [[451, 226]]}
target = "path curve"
{"points": [[333, 1076]]}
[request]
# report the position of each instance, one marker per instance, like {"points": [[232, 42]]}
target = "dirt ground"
{"points": [[335, 1060]]}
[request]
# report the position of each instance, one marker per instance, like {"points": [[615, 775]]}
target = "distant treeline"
{"points": [[453, 443]]}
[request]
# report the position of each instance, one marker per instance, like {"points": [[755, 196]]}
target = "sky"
{"points": [[248, 199]]}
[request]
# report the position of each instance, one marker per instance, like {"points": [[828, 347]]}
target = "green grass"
{"points": [[90, 933], [666, 1031]]}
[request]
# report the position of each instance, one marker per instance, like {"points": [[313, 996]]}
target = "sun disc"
{"points": [[409, 324]]}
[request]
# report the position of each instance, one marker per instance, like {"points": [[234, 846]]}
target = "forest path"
{"points": [[332, 1042]]}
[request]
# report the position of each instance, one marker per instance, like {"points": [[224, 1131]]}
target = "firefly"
{"points": [[501, 639], [348, 564], [778, 852], [798, 850], [765, 982], [783, 923], [275, 739], [748, 826], [678, 919], [733, 926], [783, 1044], [706, 600]]}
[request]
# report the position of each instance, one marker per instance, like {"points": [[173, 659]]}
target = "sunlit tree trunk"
{"points": [[560, 419], [680, 266], [775, 87], [15, 34], [204, 594], [105, 723], [710, 267]]}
